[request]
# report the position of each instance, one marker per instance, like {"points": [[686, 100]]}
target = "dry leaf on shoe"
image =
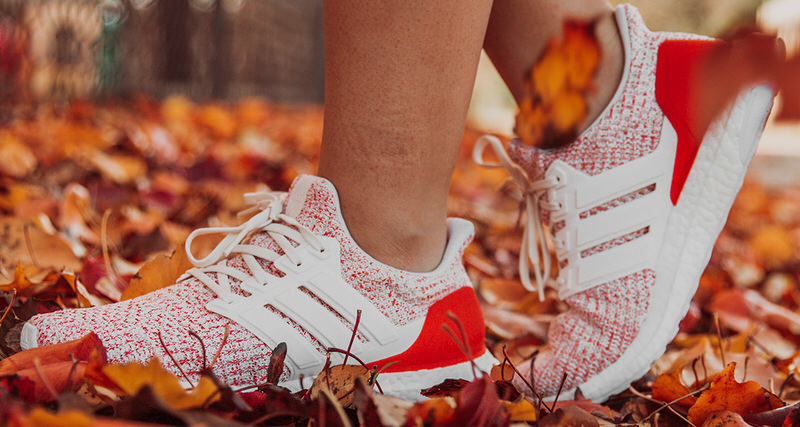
{"points": [[159, 273]]}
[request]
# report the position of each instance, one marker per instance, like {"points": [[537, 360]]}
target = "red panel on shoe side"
{"points": [[434, 348], [678, 64]]}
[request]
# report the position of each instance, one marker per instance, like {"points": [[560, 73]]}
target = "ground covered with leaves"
{"points": [[96, 197]]}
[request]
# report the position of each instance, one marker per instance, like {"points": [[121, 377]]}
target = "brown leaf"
{"points": [[775, 417], [339, 381], [726, 393], [275, 367], [25, 242], [478, 405], [449, 387], [367, 409], [159, 273], [725, 419], [568, 416]]}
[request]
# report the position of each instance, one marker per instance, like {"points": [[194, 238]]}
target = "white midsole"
{"points": [[407, 385], [692, 228]]}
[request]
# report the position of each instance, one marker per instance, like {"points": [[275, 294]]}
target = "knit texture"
{"points": [[130, 329], [602, 322]]}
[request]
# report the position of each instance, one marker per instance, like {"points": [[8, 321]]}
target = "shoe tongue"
{"points": [[314, 203]]}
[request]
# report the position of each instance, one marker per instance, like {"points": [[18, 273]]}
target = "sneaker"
{"points": [[292, 273], [632, 209]]}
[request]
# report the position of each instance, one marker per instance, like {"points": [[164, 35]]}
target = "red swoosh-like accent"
{"points": [[434, 348], [677, 69]]}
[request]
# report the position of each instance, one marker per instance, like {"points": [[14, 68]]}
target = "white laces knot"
{"points": [[534, 242], [266, 209]]}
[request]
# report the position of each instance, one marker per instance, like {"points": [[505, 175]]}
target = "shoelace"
{"points": [[270, 219], [534, 243]]}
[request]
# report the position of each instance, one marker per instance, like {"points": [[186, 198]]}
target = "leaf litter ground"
{"points": [[98, 198]]}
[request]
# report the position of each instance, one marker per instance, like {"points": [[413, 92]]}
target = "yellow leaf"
{"points": [[39, 417], [132, 377], [521, 411]]}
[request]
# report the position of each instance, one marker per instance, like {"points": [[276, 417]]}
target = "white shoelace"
{"points": [[270, 219], [534, 242]]}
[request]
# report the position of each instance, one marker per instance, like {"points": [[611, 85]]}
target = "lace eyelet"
{"points": [[299, 264], [322, 251]]}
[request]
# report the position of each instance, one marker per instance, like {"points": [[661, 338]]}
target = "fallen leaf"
{"points": [[432, 412], [42, 418], [725, 419], [478, 405], [80, 349], [669, 387], [725, 393], [776, 417], [132, 377], [25, 242], [159, 273], [339, 381], [520, 411], [275, 367], [568, 416]]}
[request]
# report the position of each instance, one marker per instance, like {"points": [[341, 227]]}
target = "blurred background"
{"points": [[229, 49]]}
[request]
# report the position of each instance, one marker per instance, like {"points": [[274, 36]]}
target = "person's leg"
{"points": [[519, 30], [398, 79], [399, 74]]}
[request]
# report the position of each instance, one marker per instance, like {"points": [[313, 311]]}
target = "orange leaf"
{"points": [[42, 418], [668, 387], [520, 411], [159, 273], [60, 366], [726, 393], [436, 411], [557, 87], [65, 352]]}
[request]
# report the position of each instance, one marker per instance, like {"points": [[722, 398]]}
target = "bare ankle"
{"points": [[414, 247], [610, 70]]}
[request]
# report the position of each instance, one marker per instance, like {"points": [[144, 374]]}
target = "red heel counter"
{"points": [[434, 348], [677, 68]]}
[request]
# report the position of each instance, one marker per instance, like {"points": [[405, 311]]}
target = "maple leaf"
{"points": [[725, 393]]}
